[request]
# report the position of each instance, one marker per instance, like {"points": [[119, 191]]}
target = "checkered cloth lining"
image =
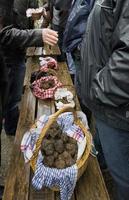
{"points": [[66, 121], [65, 179], [48, 62], [48, 93]]}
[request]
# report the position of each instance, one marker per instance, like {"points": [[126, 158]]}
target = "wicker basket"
{"points": [[82, 163]]}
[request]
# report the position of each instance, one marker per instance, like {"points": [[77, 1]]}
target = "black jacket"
{"points": [[16, 38], [3, 70], [15, 41], [105, 62], [63, 8], [19, 11], [76, 24]]}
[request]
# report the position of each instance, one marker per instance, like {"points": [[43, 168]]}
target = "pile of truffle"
{"points": [[47, 85], [58, 149]]}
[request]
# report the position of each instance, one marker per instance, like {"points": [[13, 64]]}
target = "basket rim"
{"points": [[51, 120]]}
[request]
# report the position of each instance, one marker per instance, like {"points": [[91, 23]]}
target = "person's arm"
{"points": [[111, 84], [13, 37]]}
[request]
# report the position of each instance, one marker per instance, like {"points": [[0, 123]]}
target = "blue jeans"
{"points": [[77, 61], [71, 65], [16, 79], [115, 148]]}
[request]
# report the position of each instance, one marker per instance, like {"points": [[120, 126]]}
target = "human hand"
{"points": [[49, 36]]}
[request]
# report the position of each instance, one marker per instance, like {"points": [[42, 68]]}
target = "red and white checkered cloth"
{"points": [[45, 93]]}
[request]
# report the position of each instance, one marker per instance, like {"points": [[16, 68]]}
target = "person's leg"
{"points": [[100, 155], [71, 66], [115, 145], [77, 61], [16, 79]]}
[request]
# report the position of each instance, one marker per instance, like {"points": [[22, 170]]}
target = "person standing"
{"points": [[73, 36], [105, 84], [14, 54]]}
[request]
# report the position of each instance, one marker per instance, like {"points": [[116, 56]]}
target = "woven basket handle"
{"points": [[52, 118]]}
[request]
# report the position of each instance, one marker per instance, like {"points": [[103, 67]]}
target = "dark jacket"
{"points": [[76, 24], [3, 70], [62, 8], [3, 87], [19, 9], [14, 53], [105, 62]]}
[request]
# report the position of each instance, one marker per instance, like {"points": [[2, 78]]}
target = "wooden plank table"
{"points": [[46, 50], [18, 186]]}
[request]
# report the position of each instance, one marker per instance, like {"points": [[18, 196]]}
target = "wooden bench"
{"points": [[18, 186], [46, 50]]}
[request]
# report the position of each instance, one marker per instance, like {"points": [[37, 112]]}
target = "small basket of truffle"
{"points": [[44, 83], [36, 75], [65, 96], [57, 147], [48, 67]]}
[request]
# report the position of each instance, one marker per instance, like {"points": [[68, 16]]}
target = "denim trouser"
{"points": [[71, 64], [16, 78], [115, 147], [77, 61]]}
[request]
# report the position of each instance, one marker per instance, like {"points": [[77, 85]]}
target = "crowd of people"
{"points": [[93, 35]]}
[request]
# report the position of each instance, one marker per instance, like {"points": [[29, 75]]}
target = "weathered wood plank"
{"points": [[30, 51], [38, 51], [91, 185], [32, 64], [17, 183], [44, 194], [51, 50], [57, 196], [43, 107]]}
